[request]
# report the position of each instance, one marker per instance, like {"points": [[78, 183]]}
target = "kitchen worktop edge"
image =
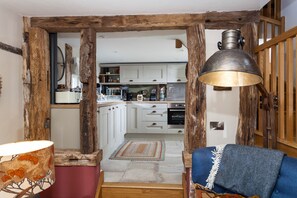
{"points": [[109, 103]]}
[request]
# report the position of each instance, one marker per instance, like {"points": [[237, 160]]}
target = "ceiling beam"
{"points": [[212, 20]]}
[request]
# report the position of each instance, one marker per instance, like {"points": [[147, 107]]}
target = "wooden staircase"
{"points": [[139, 190]]}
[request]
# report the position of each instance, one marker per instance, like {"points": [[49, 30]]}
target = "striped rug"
{"points": [[140, 151]]}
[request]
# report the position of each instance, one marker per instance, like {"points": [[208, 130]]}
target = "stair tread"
{"points": [[142, 185]]}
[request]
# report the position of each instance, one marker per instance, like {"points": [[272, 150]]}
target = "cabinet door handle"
{"points": [[130, 80], [154, 111], [154, 80], [117, 107], [154, 124], [178, 80], [180, 131], [109, 109], [112, 107], [154, 106], [98, 111]]}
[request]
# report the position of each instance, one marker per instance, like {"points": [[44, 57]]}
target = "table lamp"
{"points": [[232, 67], [26, 168]]}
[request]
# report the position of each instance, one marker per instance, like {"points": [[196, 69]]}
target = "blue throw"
{"points": [[249, 170]]}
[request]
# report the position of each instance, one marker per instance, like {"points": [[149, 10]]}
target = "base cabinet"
{"points": [[103, 120], [147, 118], [175, 131], [111, 127], [133, 118]]}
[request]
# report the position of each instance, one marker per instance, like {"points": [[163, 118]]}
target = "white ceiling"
{"points": [[119, 47], [124, 7], [148, 46]]}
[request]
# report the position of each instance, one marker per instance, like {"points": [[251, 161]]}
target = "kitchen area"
{"points": [[134, 100], [138, 99], [140, 95]]}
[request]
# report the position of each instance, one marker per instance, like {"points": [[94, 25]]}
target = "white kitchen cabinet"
{"points": [[175, 130], [154, 118], [133, 118], [123, 121], [105, 127], [153, 127], [147, 73], [154, 73], [102, 126], [112, 123], [154, 114], [131, 74], [117, 121], [176, 72], [147, 118]]}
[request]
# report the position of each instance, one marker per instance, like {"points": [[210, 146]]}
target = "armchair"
{"points": [[285, 187]]}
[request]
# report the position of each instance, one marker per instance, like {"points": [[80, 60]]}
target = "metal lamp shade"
{"points": [[230, 68]]}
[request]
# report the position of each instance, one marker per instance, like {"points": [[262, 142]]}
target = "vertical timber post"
{"points": [[248, 95], [39, 74], [26, 76], [68, 69], [88, 105], [195, 125]]}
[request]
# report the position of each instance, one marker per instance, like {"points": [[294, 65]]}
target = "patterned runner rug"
{"points": [[140, 150]]}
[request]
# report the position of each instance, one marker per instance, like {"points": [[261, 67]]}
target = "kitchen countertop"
{"points": [[109, 103]]}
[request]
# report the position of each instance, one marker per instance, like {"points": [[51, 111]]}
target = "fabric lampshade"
{"points": [[26, 168]]}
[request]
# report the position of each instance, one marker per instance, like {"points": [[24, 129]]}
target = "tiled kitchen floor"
{"points": [[168, 171]]}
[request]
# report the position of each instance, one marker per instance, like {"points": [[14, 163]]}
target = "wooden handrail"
{"points": [[270, 20], [288, 34]]}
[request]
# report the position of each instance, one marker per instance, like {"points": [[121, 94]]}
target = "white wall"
{"points": [[11, 98], [289, 11], [221, 106]]}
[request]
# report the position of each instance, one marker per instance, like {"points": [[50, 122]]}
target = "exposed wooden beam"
{"points": [[11, 49], [248, 95], [230, 20], [88, 104], [195, 124], [39, 102], [68, 72], [212, 20], [26, 76]]}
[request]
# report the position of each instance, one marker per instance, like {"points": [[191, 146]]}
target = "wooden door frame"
{"points": [[209, 20]]}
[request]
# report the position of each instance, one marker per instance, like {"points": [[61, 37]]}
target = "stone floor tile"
{"points": [[115, 165], [113, 176]]}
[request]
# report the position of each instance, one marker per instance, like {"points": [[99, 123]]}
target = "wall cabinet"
{"points": [[154, 73], [143, 74], [176, 72], [131, 74], [149, 73]]}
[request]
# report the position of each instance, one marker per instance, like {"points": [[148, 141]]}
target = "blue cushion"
{"points": [[286, 185]]}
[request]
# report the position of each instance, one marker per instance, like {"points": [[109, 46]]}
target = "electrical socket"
{"points": [[216, 125]]}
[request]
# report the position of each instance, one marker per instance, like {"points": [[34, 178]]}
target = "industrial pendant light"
{"points": [[231, 66]]}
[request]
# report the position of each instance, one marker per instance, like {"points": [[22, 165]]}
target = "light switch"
{"points": [[217, 125]]}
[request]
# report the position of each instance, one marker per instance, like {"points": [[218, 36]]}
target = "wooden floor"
{"points": [[139, 190]]}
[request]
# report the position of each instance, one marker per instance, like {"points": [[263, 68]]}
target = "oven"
{"points": [[176, 115]]}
